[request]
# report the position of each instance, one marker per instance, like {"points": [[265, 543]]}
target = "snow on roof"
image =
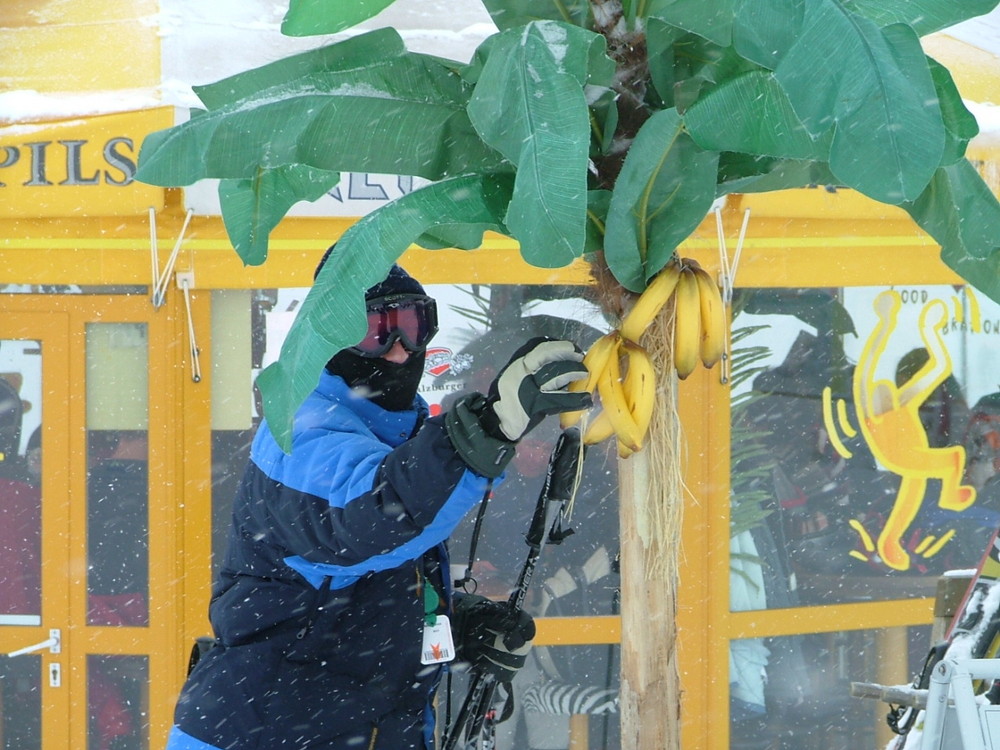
{"points": [[982, 32], [204, 42]]}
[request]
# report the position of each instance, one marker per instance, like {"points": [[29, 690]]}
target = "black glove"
{"points": [[484, 429], [491, 636]]}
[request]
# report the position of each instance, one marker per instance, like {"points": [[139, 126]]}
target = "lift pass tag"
{"points": [[438, 645]]}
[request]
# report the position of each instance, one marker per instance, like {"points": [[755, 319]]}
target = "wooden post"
{"points": [[651, 503], [650, 693], [579, 732]]}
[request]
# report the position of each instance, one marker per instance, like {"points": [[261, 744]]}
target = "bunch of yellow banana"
{"points": [[699, 314], [628, 395], [699, 320]]}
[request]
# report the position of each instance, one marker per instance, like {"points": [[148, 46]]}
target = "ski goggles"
{"points": [[410, 319]]}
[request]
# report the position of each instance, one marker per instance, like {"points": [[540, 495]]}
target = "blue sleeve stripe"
{"points": [[179, 740], [468, 492]]}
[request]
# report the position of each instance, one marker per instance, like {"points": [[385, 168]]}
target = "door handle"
{"points": [[53, 643]]}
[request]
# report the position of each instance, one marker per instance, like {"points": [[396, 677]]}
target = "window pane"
{"points": [[794, 691], [565, 697], [21, 703], [866, 437], [20, 482], [117, 702], [480, 327], [117, 475]]}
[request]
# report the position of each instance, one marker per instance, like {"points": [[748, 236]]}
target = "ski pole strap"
{"points": [[467, 582]]}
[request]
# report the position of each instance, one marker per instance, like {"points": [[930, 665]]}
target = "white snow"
{"points": [[982, 32], [204, 42]]}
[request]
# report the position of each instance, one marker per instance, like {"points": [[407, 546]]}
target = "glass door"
{"points": [[34, 696], [91, 500]]}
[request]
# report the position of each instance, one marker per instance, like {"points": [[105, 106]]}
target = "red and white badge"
{"points": [[438, 645]]}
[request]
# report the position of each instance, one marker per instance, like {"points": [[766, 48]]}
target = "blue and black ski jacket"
{"points": [[336, 555]]}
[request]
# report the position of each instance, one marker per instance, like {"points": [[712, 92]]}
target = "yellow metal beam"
{"points": [[576, 631], [827, 619]]}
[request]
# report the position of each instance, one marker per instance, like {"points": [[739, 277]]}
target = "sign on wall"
{"points": [[79, 167], [357, 194]]}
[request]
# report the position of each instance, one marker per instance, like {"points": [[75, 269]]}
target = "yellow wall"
{"points": [[78, 46]]}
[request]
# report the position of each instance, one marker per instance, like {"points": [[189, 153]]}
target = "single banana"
{"points": [[640, 386], [613, 402], [687, 324], [596, 361], [623, 450], [713, 318], [650, 302], [598, 429]]}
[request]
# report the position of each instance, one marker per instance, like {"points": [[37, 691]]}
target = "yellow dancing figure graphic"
{"points": [[890, 422]]}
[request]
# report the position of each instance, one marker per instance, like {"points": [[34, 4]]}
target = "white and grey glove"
{"points": [[532, 385]]}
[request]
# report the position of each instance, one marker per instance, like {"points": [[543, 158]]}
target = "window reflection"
{"points": [[793, 692], [117, 385], [117, 702], [20, 483], [117, 528], [566, 697], [21, 703], [859, 470]]}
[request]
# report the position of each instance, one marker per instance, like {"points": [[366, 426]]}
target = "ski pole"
{"points": [[561, 480]]}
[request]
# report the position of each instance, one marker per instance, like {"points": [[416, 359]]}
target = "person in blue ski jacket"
{"points": [[331, 610]]}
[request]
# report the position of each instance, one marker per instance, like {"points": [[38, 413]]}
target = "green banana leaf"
{"points": [[745, 173], [879, 97], [332, 316], [768, 126], [362, 51], [509, 14], [960, 125], [764, 30], [598, 202], [251, 209], [405, 115], [711, 20], [530, 106], [310, 17], [960, 212], [665, 189], [925, 16], [696, 65]]}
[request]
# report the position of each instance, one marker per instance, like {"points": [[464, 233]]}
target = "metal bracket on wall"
{"points": [[727, 277], [185, 282], [162, 280]]}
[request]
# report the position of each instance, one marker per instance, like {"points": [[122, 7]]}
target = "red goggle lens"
{"points": [[412, 320]]}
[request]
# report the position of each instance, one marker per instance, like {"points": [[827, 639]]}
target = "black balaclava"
{"points": [[391, 385]]}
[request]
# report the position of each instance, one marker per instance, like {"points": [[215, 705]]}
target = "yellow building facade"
{"points": [[130, 333]]}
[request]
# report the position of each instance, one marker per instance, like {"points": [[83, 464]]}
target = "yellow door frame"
{"points": [[798, 239], [179, 483], [52, 331]]}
